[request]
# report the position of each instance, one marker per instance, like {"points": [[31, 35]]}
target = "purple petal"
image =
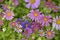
{"points": [[28, 5], [26, 0]]}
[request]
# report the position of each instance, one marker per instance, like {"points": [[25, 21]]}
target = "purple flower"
{"points": [[34, 15], [15, 2], [18, 21], [26, 24], [50, 34], [5, 6], [56, 23], [9, 15], [55, 8], [1, 22], [35, 27], [45, 20], [27, 32], [32, 3]]}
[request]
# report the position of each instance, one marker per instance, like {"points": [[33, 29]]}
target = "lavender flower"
{"points": [[34, 14], [32, 3], [56, 23], [45, 20], [27, 32]]}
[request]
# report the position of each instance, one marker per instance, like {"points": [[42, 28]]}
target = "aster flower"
{"points": [[32, 3], [35, 26], [9, 15], [13, 24], [26, 24], [41, 33], [18, 28], [50, 34], [56, 23], [55, 8], [27, 32], [18, 21], [34, 14], [15, 2], [1, 22], [45, 20], [5, 6]]}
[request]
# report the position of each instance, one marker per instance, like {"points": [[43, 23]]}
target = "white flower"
{"points": [[18, 28], [56, 23]]}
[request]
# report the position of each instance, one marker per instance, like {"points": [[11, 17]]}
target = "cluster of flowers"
{"points": [[37, 23]]}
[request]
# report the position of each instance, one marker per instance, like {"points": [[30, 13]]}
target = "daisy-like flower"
{"points": [[18, 21], [56, 23], [1, 22], [55, 8], [27, 32], [35, 26], [45, 20], [32, 3], [50, 34], [34, 15], [13, 24], [26, 24], [18, 28], [5, 6], [15, 2], [9, 15], [41, 33]]}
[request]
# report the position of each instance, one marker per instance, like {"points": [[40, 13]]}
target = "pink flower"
{"points": [[32, 3], [34, 15], [50, 34], [8, 15], [45, 20]]}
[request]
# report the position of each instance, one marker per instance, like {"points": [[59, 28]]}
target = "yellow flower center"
{"points": [[45, 19], [18, 22], [8, 14], [26, 25], [58, 21], [35, 14], [32, 1], [49, 33]]}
